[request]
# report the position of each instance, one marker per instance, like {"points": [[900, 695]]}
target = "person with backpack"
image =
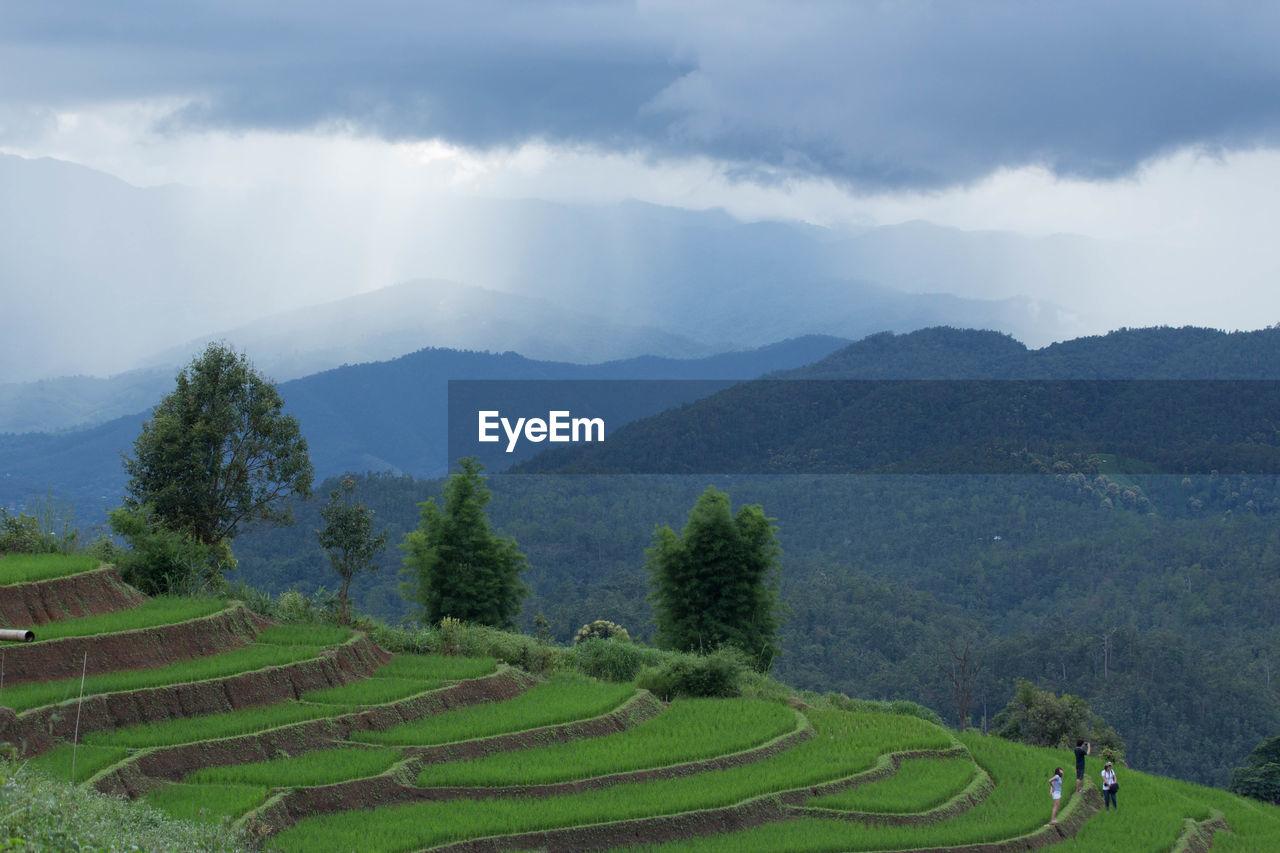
{"points": [[1109, 787]]}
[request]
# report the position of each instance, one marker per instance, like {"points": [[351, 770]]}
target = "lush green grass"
{"points": [[691, 729], [89, 760], [161, 610], [436, 668], [27, 568], [304, 635], [919, 785], [559, 700], [206, 803], [844, 743], [1151, 815], [192, 729], [322, 767], [1255, 825], [369, 691], [245, 659], [50, 815], [1019, 804], [403, 676]]}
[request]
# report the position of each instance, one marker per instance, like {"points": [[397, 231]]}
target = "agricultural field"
{"points": [[373, 751], [29, 568], [263, 653], [162, 610]]}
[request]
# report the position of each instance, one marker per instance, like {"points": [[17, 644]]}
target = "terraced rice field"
{"points": [[29, 568], [162, 610], [267, 651], [330, 744]]}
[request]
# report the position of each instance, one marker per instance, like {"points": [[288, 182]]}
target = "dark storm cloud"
{"points": [[874, 94]]}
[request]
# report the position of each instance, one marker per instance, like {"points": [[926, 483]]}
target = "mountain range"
{"points": [[102, 277], [381, 416]]}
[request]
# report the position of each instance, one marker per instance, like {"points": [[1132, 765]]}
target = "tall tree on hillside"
{"points": [[459, 567], [349, 538], [1042, 718], [219, 451], [716, 582], [218, 454], [1260, 776]]}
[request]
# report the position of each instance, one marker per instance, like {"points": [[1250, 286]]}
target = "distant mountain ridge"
{"points": [[393, 321], [155, 268], [873, 424], [383, 416], [1161, 352]]}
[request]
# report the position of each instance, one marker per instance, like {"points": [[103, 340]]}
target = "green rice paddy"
{"points": [[844, 743], [245, 659], [436, 668], [212, 727], [919, 785], [1153, 812], [206, 803], [560, 700], [161, 610], [88, 760], [29, 568], [403, 676], [322, 767], [690, 730], [304, 635]]}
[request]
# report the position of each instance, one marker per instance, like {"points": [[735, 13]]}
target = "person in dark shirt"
{"points": [[1082, 749]]}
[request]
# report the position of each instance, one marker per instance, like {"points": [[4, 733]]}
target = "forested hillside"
{"points": [[1154, 597]]}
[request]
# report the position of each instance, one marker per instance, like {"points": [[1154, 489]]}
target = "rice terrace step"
{"points": [[313, 737]]}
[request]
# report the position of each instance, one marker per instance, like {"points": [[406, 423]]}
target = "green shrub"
{"points": [[901, 707], [720, 673], [602, 629], [611, 660], [50, 528], [160, 560], [40, 813], [19, 534]]}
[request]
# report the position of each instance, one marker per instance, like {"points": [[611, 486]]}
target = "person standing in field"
{"points": [[1109, 787], [1055, 791], [1082, 749]]}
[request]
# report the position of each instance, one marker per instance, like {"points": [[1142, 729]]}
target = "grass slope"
{"points": [[1153, 815], [29, 568]]}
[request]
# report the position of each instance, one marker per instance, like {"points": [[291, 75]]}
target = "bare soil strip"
{"points": [[27, 605], [36, 730], [143, 771], [136, 649], [393, 786]]}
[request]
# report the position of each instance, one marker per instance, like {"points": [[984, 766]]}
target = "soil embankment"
{"points": [[29, 605]]}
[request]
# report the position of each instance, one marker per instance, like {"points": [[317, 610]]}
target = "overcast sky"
{"points": [[1150, 122]]}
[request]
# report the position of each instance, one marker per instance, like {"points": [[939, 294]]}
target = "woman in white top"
{"points": [[1109, 787], [1055, 791]]}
